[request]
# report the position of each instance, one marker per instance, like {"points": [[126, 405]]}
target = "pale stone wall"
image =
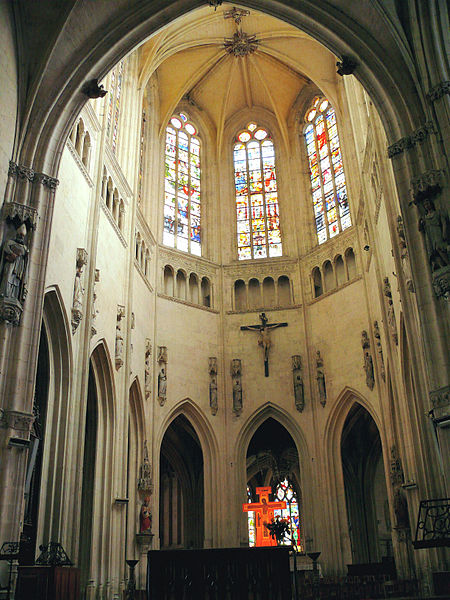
{"points": [[9, 91]]}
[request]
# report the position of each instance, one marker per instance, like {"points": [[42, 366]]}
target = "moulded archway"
{"points": [[248, 430], [209, 447]]}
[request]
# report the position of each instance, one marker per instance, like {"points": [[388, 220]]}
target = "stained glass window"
{"points": [[251, 521], [285, 491], [182, 186], [329, 190], [141, 158], [257, 213]]}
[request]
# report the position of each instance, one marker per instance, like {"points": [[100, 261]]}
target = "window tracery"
{"points": [[182, 186], [257, 212], [329, 189], [114, 101]]}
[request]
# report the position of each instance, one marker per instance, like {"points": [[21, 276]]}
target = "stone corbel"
{"points": [[438, 91], [346, 66], [17, 420], [417, 137], [440, 398], [427, 185], [22, 172]]}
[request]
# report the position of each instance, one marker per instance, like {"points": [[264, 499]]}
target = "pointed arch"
{"points": [[55, 323], [339, 545], [251, 425], [98, 465], [210, 450]]}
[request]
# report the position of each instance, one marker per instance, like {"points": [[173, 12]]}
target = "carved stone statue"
{"points": [[321, 386], [434, 224], [78, 290], [368, 363], [401, 509], [404, 256], [162, 385], [94, 311], [392, 323], [13, 266], [148, 369], [145, 517], [377, 335], [212, 369], [236, 373], [299, 393], [92, 89], [119, 336], [145, 483]]}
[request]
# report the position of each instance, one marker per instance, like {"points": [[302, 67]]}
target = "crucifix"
{"points": [[263, 514], [264, 339]]}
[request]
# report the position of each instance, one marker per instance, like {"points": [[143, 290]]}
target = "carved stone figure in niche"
{"points": [[404, 256], [162, 354], [392, 323], [401, 509], [299, 393], [145, 483], [212, 368], [148, 369], [368, 363], [94, 311], [162, 385], [237, 386], [78, 290], [13, 266], [145, 517], [321, 386], [377, 335], [435, 225], [119, 336]]}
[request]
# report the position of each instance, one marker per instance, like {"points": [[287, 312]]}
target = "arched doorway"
{"points": [[365, 488], [272, 460], [181, 501]]}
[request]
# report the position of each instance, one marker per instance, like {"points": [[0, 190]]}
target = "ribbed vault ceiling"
{"points": [[190, 60]]}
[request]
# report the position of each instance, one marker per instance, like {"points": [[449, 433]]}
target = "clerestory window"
{"points": [[257, 213], [329, 189], [182, 186]]}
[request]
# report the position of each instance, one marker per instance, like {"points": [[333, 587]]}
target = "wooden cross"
{"points": [[263, 514], [264, 339]]}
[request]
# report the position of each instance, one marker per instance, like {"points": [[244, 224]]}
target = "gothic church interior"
{"points": [[229, 271]]}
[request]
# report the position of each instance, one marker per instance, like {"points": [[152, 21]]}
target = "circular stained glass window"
{"points": [[176, 122], [190, 129], [316, 102], [244, 136], [323, 105], [251, 126], [183, 117], [311, 114], [260, 134]]}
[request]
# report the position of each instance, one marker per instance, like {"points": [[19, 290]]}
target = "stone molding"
{"points": [[333, 291], [113, 223], [20, 213], [17, 420], [269, 268], [191, 264], [438, 91], [141, 273], [117, 175], [331, 248], [79, 162], [187, 303], [440, 397], [143, 227], [416, 137], [258, 309], [22, 172]]}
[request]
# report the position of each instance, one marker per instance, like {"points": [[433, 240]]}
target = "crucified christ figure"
{"points": [[264, 337]]}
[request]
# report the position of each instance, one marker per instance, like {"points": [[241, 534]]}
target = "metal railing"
{"points": [[433, 524]]}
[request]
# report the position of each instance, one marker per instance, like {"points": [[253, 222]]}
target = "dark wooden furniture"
{"points": [[219, 574], [48, 583]]}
